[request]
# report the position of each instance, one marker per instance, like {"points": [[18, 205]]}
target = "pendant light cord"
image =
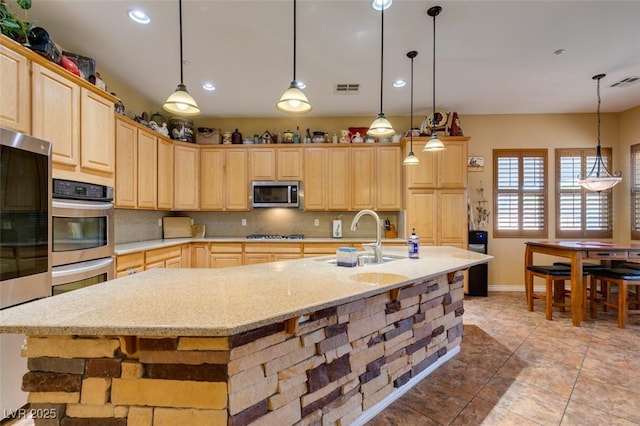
{"points": [[433, 117], [294, 40], [411, 109], [181, 61], [381, 55]]}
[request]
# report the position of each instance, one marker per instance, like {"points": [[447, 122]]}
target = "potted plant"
{"points": [[14, 27]]}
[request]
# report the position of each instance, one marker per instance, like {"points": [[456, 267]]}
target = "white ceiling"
{"points": [[492, 57]]}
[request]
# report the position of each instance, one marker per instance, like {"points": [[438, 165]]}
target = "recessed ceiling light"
{"points": [[399, 83], [209, 86], [381, 4], [139, 16], [559, 52]]}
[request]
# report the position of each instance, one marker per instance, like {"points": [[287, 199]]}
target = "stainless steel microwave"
{"points": [[275, 194]]}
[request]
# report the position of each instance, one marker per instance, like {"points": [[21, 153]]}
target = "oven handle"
{"points": [[74, 268], [88, 206]]}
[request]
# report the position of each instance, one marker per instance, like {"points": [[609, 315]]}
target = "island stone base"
{"points": [[328, 367]]}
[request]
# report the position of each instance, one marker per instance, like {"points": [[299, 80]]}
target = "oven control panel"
{"points": [[81, 190]]}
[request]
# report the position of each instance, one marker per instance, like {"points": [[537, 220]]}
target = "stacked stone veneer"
{"points": [[328, 369]]}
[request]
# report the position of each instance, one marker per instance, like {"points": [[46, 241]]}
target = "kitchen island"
{"points": [[279, 343]]}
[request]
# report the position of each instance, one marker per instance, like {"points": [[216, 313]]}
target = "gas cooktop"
{"points": [[275, 237]]}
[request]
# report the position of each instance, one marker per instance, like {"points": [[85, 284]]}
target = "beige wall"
{"points": [[548, 131]]}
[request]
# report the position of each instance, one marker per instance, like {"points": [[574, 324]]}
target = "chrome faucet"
{"points": [[377, 246]]}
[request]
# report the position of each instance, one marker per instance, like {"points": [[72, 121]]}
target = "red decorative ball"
{"points": [[69, 65]]}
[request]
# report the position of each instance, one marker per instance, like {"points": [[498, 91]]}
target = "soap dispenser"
{"points": [[337, 228]]}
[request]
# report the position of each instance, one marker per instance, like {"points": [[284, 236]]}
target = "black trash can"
{"points": [[478, 274]]}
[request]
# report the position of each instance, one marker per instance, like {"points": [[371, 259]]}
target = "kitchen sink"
{"points": [[366, 258]]}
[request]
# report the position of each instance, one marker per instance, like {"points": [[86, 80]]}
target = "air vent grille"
{"points": [[347, 88], [626, 82]]}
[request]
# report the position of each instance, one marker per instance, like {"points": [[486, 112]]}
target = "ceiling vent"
{"points": [[626, 82], [347, 88]]}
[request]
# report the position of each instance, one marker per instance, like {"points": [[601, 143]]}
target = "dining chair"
{"points": [[555, 293], [623, 280]]}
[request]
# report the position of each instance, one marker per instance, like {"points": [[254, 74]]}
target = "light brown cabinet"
{"points": [[224, 179], [270, 252], [131, 263], [136, 171], [78, 122], [223, 255], [165, 174], [353, 177], [15, 102], [186, 177], [436, 195], [275, 163], [165, 257], [199, 255]]}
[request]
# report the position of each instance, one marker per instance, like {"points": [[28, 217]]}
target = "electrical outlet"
{"points": [[316, 222], [244, 222], [159, 222]]}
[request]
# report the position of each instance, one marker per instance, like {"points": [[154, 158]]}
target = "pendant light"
{"points": [[599, 178], [381, 127], [294, 100], [180, 102], [434, 143], [411, 159]]}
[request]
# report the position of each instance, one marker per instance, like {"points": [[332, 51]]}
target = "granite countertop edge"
{"points": [[223, 302]]}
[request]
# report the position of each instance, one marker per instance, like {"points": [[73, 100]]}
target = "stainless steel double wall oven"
{"points": [[82, 235]]}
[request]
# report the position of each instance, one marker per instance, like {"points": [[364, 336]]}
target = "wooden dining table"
{"points": [[577, 252]]}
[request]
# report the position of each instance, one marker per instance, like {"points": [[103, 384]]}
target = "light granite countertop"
{"points": [[222, 302], [127, 248]]}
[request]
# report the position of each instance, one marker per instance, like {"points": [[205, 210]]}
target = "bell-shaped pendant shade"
{"points": [[411, 160], [180, 102], [294, 100], [381, 127], [434, 144]]}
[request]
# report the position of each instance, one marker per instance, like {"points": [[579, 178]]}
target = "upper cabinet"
{"points": [[225, 178], [353, 177], [275, 163], [186, 177], [15, 102], [44, 100], [440, 169]]}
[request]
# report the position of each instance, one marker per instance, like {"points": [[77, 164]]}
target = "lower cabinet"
{"points": [[223, 255], [166, 257], [127, 264], [271, 252]]}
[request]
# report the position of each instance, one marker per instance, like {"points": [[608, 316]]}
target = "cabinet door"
{"points": [[263, 164], [199, 255], [56, 115], [289, 164], [452, 214], [165, 174], [224, 260], [424, 174], [236, 179], [126, 184], [15, 102], [363, 178], [422, 215], [255, 258], [97, 150], [315, 178], [186, 177], [175, 262], [452, 165], [212, 179], [147, 169], [338, 178], [388, 180]]}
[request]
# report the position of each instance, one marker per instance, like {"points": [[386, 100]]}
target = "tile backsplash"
{"points": [[142, 225]]}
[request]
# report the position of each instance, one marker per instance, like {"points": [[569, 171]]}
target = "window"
{"points": [[635, 192], [520, 197], [581, 213]]}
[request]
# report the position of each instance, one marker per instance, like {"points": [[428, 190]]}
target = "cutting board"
{"points": [[176, 227]]}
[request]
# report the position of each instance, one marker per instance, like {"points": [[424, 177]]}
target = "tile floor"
{"points": [[516, 368]]}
